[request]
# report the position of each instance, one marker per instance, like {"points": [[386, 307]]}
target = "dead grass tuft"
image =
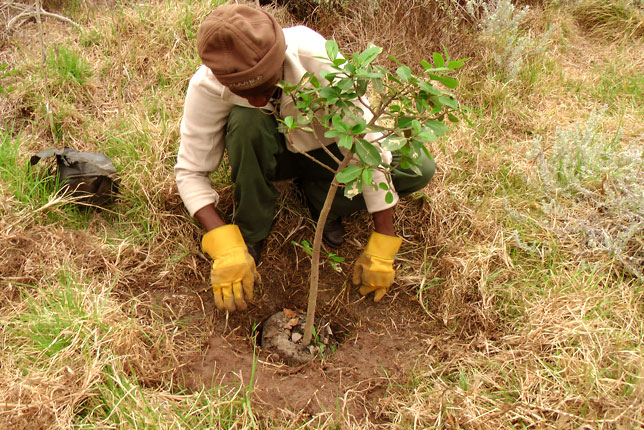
{"points": [[413, 31], [610, 20]]}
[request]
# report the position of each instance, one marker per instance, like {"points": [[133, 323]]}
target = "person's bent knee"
{"points": [[427, 170], [408, 181], [249, 125]]}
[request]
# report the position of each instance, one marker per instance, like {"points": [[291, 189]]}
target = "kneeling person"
{"points": [[231, 105]]}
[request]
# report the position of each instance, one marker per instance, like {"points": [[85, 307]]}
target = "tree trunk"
{"points": [[315, 258]]}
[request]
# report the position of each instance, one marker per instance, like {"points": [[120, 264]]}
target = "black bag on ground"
{"points": [[83, 174]]}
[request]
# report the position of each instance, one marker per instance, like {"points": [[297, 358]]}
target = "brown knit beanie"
{"points": [[244, 47]]}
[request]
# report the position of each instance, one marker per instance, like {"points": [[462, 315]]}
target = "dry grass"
{"points": [[101, 309]]}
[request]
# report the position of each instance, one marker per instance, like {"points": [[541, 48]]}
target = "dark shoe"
{"points": [[255, 250], [333, 233]]}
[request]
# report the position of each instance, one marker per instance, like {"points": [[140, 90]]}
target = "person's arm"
{"points": [[202, 140], [383, 222], [209, 218]]}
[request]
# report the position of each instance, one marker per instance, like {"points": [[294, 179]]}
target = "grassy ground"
{"points": [[530, 256]]}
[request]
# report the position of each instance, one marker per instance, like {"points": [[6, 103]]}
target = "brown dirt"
{"points": [[381, 346], [380, 342]]}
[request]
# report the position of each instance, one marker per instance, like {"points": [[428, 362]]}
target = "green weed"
{"points": [[68, 67]]}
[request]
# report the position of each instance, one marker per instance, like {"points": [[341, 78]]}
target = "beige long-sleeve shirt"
{"points": [[208, 105]]}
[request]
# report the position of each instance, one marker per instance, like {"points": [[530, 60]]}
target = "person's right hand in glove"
{"points": [[233, 271], [373, 270]]}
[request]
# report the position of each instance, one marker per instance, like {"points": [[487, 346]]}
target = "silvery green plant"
{"points": [[604, 178], [499, 25], [405, 112]]}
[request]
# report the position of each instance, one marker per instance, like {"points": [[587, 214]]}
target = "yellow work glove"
{"points": [[374, 270], [233, 271]]}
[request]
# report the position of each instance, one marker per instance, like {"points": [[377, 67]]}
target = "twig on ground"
{"points": [[29, 12]]}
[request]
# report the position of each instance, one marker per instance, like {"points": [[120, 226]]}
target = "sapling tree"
{"points": [[368, 109]]}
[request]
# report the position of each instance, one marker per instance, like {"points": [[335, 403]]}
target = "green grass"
{"points": [[35, 189], [68, 66]]}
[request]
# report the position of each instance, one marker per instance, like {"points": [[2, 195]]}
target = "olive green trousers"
{"points": [[258, 157]]}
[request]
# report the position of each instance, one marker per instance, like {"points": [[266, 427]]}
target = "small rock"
{"points": [[293, 322], [313, 349], [288, 313], [295, 337]]}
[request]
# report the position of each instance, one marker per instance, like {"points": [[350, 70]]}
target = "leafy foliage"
{"points": [[408, 111]]}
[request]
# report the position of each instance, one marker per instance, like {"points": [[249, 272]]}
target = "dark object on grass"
{"points": [[88, 175]]}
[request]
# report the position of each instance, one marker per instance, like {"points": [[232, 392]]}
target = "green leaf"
{"points": [[368, 153], [349, 69], [452, 117], [456, 63], [389, 197], [345, 142], [438, 59], [415, 125], [362, 86], [414, 168], [330, 134], [383, 186], [358, 128], [345, 84], [369, 54], [331, 49], [352, 189], [367, 176], [338, 124], [439, 128], [348, 174], [378, 86], [404, 122], [426, 86], [393, 143], [448, 101], [425, 64], [421, 104], [448, 82], [426, 135], [328, 75], [404, 72], [427, 153], [302, 119], [289, 122], [329, 94]]}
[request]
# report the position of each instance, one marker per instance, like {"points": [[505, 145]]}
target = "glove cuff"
{"points": [[382, 245], [222, 239]]}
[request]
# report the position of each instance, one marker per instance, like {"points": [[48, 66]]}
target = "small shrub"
{"points": [[499, 25], [606, 182]]}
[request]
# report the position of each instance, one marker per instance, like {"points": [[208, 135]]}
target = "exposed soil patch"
{"points": [[379, 343], [382, 347]]}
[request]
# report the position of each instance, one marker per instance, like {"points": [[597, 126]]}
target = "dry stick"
{"points": [[24, 16], [50, 117], [317, 242]]}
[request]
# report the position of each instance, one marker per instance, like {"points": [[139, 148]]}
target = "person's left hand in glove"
{"points": [[374, 270], [233, 271]]}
